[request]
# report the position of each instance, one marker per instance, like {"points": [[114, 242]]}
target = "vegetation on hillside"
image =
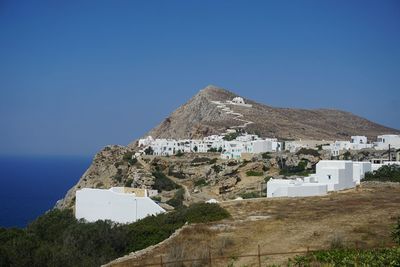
{"points": [[353, 257], [387, 173], [58, 239], [308, 151], [163, 183]]}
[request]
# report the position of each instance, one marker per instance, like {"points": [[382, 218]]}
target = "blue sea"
{"points": [[31, 185]]}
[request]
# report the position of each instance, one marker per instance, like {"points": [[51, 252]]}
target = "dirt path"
{"points": [[237, 116]]}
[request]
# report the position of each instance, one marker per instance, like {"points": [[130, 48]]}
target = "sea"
{"points": [[31, 185]]}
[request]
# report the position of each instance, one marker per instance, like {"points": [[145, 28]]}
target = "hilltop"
{"points": [[200, 117]]}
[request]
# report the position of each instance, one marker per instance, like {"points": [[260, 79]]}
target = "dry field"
{"points": [[364, 215]]}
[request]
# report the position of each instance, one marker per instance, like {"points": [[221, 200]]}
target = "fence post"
{"points": [[259, 256], [161, 261], [209, 257]]}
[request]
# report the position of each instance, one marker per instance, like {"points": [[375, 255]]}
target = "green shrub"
{"points": [[349, 257], [266, 155], [58, 239], [128, 183], [217, 168], [205, 212], [156, 198], [200, 160], [177, 200], [163, 183], [201, 182], [213, 161], [300, 169], [179, 174], [308, 151], [248, 195], [212, 149], [231, 136], [386, 173], [347, 155], [179, 153], [254, 173]]}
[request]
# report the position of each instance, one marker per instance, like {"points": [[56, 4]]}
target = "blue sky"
{"points": [[78, 75]]}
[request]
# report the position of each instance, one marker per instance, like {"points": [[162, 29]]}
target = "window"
{"points": [[329, 176]]}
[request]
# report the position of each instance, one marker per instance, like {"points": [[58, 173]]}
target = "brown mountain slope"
{"points": [[200, 117]]}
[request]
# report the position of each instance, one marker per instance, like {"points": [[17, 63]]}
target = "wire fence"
{"points": [[259, 259]]}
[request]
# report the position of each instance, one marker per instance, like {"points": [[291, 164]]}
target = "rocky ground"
{"points": [[202, 175]]}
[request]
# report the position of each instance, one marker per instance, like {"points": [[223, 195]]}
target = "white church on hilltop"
{"points": [[118, 204]]}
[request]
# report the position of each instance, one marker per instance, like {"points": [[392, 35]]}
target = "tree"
{"points": [[149, 151], [195, 149]]}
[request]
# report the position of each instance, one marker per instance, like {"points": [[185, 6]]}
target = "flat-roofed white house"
{"points": [[118, 204], [383, 141], [331, 175], [294, 188], [360, 168]]}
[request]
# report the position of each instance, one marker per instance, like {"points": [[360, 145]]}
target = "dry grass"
{"points": [[365, 215]]}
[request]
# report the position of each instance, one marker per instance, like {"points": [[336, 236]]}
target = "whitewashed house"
{"points": [[118, 204], [360, 168], [383, 141], [359, 142], [331, 175], [294, 188]]}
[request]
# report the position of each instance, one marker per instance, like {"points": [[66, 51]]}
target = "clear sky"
{"points": [[78, 75]]}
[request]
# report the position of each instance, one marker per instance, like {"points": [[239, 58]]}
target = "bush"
{"points": [[179, 175], [216, 168], [201, 160], [58, 239], [266, 155], [179, 153], [231, 136], [177, 200], [254, 173], [213, 149], [386, 173], [300, 169], [201, 182], [205, 212], [248, 195], [149, 151], [308, 151], [213, 161], [162, 182], [156, 198], [128, 183], [349, 257]]}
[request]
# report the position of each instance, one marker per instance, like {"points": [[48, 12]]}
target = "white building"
{"points": [[233, 149], [383, 141], [360, 168], [357, 142], [294, 188], [118, 204], [331, 175]]}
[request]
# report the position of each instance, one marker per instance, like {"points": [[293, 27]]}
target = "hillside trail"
{"points": [[146, 166], [237, 116]]}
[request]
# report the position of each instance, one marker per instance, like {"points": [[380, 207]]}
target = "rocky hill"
{"points": [[208, 113], [201, 116]]}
